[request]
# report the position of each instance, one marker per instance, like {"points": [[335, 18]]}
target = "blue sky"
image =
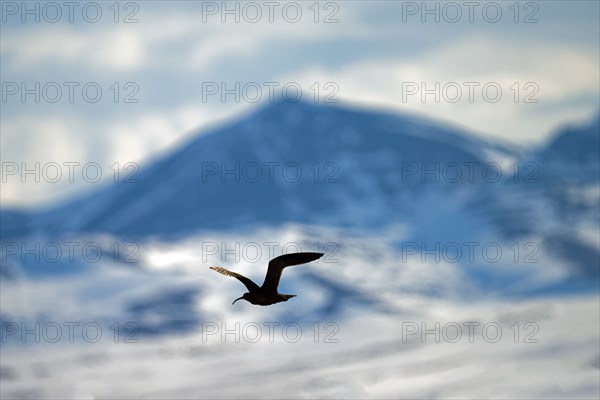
{"points": [[374, 54]]}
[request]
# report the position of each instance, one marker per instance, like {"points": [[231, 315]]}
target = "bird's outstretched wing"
{"points": [[277, 265], [247, 282]]}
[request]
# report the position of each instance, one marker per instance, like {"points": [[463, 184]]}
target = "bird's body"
{"points": [[267, 294]]}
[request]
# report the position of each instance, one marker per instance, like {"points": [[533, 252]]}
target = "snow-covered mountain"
{"points": [[300, 162], [295, 162], [556, 199], [363, 170], [287, 162], [351, 168], [405, 210]]}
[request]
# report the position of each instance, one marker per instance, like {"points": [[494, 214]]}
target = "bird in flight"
{"points": [[267, 294]]}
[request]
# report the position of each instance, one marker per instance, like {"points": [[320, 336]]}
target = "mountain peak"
{"points": [[287, 162], [575, 143]]}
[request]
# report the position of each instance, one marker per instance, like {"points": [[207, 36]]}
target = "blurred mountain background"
{"points": [[368, 195], [460, 231]]}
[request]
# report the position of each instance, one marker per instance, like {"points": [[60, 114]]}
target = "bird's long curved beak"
{"points": [[237, 300]]}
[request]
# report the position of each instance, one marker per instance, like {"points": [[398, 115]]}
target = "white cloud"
{"points": [[558, 73], [120, 49], [59, 139]]}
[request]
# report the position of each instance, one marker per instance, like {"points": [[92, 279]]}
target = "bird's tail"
{"points": [[288, 296]]}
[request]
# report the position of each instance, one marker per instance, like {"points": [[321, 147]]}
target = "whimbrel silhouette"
{"points": [[267, 294]]}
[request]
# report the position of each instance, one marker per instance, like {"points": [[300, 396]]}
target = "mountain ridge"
{"points": [[342, 154]]}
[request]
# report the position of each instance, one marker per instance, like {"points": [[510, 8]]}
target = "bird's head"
{"points": [[246, 296]]}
